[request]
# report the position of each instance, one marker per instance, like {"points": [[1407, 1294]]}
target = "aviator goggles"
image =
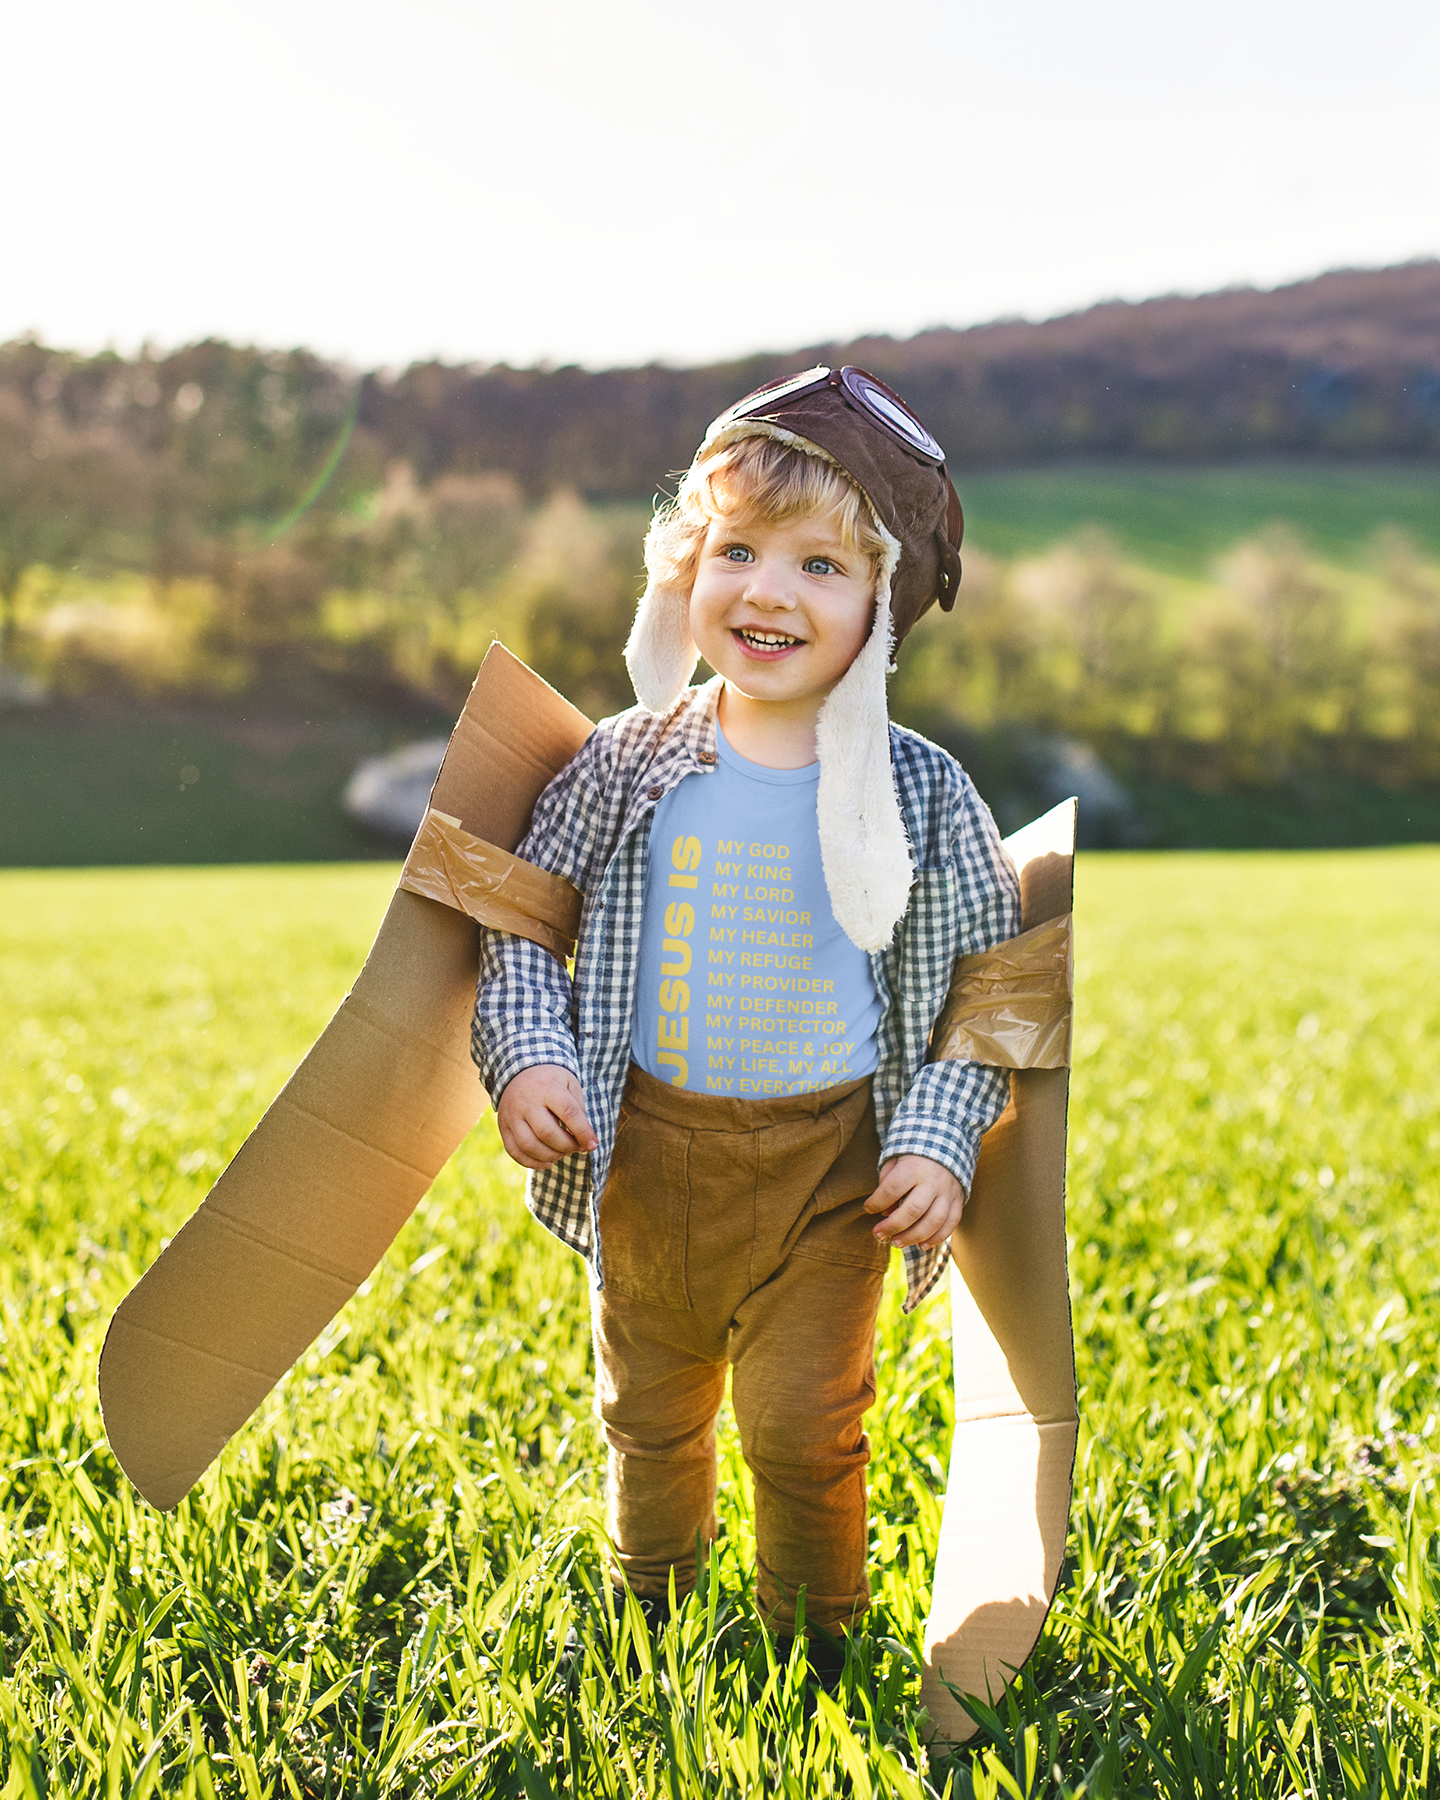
{"points": [[881, 405]]}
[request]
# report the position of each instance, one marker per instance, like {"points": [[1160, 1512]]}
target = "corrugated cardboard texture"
{"points": [[338, 1163], [1007, 1500]]}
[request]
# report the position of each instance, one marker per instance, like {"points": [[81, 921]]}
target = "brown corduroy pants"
{"points": [[733, 1232]]}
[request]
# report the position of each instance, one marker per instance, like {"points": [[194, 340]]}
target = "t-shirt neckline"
{"points": [[753, 771]]}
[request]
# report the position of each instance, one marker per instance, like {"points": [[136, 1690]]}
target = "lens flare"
{"points": [[322, 480]]}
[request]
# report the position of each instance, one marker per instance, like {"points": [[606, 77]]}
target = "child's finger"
{"points": [[943, 1232], [894, 1186], [552, 1131], [930, 1224], [537, 1138], [900, 1218], [523, 1147], [946, 1222], [569, 1109]]}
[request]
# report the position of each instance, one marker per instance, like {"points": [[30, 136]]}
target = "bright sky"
{"points": [[612, 183]]}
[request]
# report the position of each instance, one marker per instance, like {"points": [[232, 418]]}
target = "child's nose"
{"points": [[770, 586]]}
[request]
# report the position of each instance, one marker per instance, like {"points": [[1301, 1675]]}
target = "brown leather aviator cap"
{"points": [[872, 434]]}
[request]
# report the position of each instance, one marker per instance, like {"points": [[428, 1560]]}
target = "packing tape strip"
{"points": [[1011, 1007], [495, 888]]}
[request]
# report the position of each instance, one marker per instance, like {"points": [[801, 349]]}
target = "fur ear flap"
{"points": [[661, 654], [863, 845]]}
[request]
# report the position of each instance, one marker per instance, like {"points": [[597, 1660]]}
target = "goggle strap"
{"points": [[954, 514]]}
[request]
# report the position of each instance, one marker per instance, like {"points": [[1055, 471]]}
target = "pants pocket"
{"points": [[844, 1234], [855, 1172], [645, 1212], [840, 1230]]}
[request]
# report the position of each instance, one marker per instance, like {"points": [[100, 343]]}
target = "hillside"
{"points": [[144, 457], [1346, 364]]}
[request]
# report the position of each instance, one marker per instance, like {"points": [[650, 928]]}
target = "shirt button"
{"points": [[654, 793], [708, 756]]}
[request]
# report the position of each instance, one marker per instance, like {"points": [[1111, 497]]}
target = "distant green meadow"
{"points": [[1179, 519], [392, 1581]]}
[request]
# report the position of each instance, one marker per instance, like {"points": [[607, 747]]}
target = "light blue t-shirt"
{"points": [[747, 986]]}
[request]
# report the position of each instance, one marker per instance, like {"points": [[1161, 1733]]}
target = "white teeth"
{"points": [[767, 640]]}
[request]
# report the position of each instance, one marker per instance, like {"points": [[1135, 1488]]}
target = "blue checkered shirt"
{"points": [[592, 825]]}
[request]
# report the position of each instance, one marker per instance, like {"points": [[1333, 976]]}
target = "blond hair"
{"points": [[763, 479]]}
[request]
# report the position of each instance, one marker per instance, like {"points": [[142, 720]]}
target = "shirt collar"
{"points": [[691, 738]]}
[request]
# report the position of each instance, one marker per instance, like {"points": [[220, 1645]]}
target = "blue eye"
{"points": [[819, 565], [737, 553]]}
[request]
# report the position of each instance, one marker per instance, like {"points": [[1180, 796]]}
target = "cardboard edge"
{"points": [[399, 935], [1041, 900], [930, 1678]]}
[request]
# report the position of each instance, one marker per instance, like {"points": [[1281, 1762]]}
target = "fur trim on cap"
{"points": [[660, 652], [863, 846]]}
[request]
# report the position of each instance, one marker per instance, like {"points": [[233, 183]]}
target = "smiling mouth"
{"points": [[767, 643]]}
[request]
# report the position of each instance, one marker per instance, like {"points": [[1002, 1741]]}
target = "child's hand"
{"points": [[921, 1200], [542, 1116]]}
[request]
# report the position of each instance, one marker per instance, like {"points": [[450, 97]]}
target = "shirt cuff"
{"points": [[958, 1151], [499, 1063], [949, 1108]]}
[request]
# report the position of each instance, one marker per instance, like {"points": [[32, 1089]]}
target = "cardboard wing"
{"points": [[1012, 1459], [341, 1159]]}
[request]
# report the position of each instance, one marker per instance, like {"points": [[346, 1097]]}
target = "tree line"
{"points": [[267, 528], [1278, 671]]}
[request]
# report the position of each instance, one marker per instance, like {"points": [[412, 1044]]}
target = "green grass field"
{"points": [[370, 1594], [78, 789], [1181, 519]]}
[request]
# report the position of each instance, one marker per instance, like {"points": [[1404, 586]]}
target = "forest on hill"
{"points": [[173, 462], [264, 533], [207, 438], [1347, 364]]}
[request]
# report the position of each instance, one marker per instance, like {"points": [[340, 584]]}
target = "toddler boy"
{"points": [[728, 1111]]}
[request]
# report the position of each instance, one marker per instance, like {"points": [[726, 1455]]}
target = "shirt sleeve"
{"points": [[950, 1106], [523, 997], [522, 1011]]}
